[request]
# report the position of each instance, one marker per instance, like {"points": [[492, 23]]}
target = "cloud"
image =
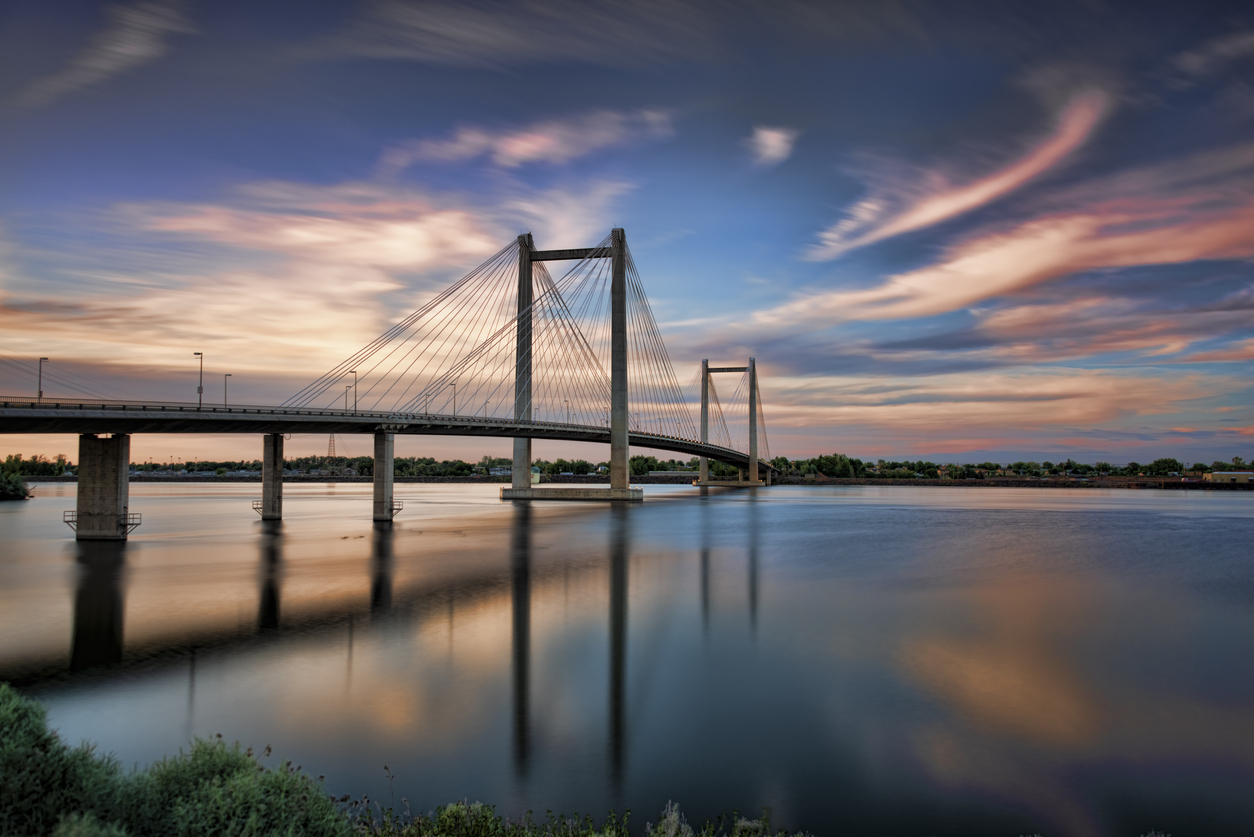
{"points": [[604, 32], [883, 215], [135, 35], [1200, 208], [771, 146], [550, 141], [1215, 54], [291, 276]]}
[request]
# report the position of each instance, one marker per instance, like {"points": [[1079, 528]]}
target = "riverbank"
{"points": [[686, 478]]}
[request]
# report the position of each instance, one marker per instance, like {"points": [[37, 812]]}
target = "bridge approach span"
{"points": [[95, 417]]}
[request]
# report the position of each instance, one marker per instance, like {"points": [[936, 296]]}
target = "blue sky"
{"points": [[962, 231]]}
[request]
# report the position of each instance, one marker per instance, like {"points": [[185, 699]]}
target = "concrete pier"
{"points": [[520, 474], [103, 493], [620, 473], [705, 419], [753, 420], [272, 477], [384, 450]]}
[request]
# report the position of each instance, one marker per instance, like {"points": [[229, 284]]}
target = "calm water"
{"points": [[889, 661]]}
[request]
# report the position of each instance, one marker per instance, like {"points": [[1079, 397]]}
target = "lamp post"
{"points": [[454, 386], [567, 400], [40, 398], [354, 371], [347, 387], [224, 377], [200, 387]]}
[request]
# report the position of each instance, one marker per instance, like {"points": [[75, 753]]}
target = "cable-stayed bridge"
{"points": [[506, 351]]}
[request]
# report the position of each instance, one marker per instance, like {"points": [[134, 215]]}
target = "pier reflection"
{"points": [[382, 563], [619, 551], [520, 586], [271, 566], [98, 605]]}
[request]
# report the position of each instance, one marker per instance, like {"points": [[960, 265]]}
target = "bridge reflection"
{"points": [[484, 583]]}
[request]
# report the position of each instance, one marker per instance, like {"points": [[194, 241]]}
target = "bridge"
{"points": [[525, 354]]}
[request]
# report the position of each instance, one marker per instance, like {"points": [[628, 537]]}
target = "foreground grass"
{"points": [[216, 789]]}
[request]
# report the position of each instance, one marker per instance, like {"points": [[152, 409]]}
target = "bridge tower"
{"points": [[620, 474], [703, 477]]}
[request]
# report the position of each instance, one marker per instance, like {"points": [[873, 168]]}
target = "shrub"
{"points": [[13, 486], [40, 778]]}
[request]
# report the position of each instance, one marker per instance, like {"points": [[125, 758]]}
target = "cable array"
{"points": [[458, 354]]}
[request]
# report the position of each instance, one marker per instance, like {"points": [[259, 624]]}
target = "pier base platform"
{"points": [[728, 483], [634, 495]]}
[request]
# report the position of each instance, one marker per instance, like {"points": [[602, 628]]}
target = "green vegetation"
{"points": [[215, 789], [36, 466], [831, 466], [13, 486]]}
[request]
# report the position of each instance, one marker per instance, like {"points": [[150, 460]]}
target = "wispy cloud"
{"points": [[605, 32], [1202, 208], [1215, 54], [771, 146], [549, 141], [135, 35], [903, 208]]}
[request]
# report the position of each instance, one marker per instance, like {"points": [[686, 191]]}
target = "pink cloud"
{"points": [[1187, 210], [867, 222]]}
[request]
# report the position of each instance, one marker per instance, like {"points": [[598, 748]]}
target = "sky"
{"points": [[957, 231]]}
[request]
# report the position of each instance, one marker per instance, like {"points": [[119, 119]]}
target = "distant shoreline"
{"points": [[1139, 483]]}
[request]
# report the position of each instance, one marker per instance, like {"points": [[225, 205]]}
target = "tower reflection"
{"points": [[753, 561], [619, 549], [271, 565], [381, 565], [520, 577], [98, 605]]}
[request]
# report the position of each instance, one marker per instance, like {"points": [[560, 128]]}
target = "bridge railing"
{"points": [[383, 417]]}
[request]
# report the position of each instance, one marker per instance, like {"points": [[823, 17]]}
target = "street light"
{"points": [[454, 386], [347, 387], [41, 379], [354, 371], [224, 377], [200, 388]]}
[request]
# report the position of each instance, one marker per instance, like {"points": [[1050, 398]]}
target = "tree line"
{"points": [[834, 465]]}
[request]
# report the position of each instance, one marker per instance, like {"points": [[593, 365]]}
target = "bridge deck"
{"points": [[80, 416]]}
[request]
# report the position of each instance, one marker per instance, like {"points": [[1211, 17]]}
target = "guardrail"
{"points": [[131, 520]]}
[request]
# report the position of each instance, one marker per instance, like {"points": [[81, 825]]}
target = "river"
{"points": [[859, 660]]}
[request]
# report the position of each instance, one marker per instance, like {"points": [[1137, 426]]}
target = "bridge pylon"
{"points": [[620, 473]]}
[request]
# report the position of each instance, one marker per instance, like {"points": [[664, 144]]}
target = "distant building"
{"points": [[1229, 476]]}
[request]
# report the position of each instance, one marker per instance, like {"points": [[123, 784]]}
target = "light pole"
{"points": [[347, 387], [354, 371], [454, 386], [567, 400], [224, 377], [200, 387], [40, 399]]}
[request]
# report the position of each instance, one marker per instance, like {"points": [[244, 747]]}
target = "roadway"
{"points": [[80, 416]]}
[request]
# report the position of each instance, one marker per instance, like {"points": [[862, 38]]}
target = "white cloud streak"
{"points": [[135, 35], [884, 215], [551, 141]]}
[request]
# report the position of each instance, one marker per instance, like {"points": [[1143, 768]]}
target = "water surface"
{"points": [[860, 660]]}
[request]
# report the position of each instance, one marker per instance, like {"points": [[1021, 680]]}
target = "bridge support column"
{"points": [[272, 477], [384, 450], [753, 421], [705, 419], [620, 474], [103, 491], [520, 472]]}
